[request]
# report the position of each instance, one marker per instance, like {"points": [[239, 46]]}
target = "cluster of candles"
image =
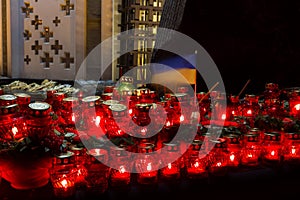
{"points": [[134, 114]]}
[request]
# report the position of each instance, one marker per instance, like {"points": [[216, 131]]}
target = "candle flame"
{"points": [[149, 167], [272, 153], [168, 123], [143, 130], [73, 117], [196, 164], [219, 164], [169, 165], [250, 155], [297, 107], [223, 117], [181, 118], [122, 169], [130, 111], [232, 157], [97, 121], [233, 112], [15, 130], [293, 151], [119, 132], [97, 151], [64, 183], [249, 112]]}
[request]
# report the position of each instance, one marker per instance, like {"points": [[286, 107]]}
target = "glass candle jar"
{"points": [[120, 162], [147, 164], [294, 104], [57, 101], [218, 157], [171, 162], [196, 164], [97, 172], [291, 148], [251, 150], [117, 121], [79, 161], [71, 113], [234, 150], [50, 96], [126, 86], [12, 126], [23, 101], [233, 107], [63, 175], [250, 106], [106, 96], [39, 121], [8, 99], [93, 116], [220, 107], [271, 148], [1, 91]]}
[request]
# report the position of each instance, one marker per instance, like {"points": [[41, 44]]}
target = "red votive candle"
{"points": [[63, 175], [272, 148], [147, 164], [234, 150], [97, 171], [121, 167], [171, 162], [196, 164], [251, 150], [218, 157], [291, 148]]}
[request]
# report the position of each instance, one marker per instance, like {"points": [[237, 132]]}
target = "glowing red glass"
{"points": [[171, 162], [251, 150], [291, 148], [147, 164]]}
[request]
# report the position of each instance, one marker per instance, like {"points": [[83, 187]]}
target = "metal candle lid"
{"points": [[7, 99], [111, 102], [70, 102], [64, 158], [23, 98], [146, 147], [272, 136], [39, 109], [10, 109], [118, 107], [171, 147], [293, 136], [92, 101]]}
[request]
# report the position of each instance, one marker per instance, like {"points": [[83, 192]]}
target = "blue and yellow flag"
{"points": [[177, 70]]}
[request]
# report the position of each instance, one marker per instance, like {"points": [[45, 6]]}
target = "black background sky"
{"points": [[248, 39]]}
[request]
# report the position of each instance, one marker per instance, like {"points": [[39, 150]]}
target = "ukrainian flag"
{"points": [[176, 71]]}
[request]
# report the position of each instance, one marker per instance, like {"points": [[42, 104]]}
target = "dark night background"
{"points": [[247, 39]]}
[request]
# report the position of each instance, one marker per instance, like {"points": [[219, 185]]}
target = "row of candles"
{"points": [[86, 167], [126, 114]]}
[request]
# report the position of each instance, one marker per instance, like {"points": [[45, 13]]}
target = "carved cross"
{"points": [[27, 9], [67, 60], [56, 47], [47, 60], [56, 21], [67, 7], [27, 34], [36, 22], [46, 34], [27, 60], [36, 47]]}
